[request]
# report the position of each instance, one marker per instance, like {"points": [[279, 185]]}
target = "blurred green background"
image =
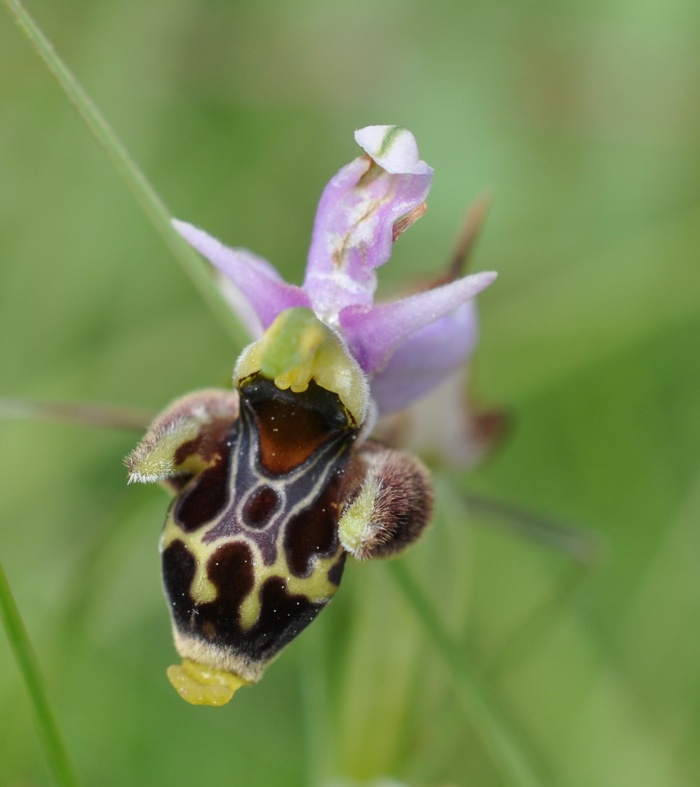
{"points": [[583, 121]]}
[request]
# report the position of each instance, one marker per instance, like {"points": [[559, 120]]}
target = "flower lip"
{"points": [[357, 221]]}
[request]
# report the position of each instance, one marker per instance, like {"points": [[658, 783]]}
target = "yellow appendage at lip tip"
{"points": [[201, 685]]}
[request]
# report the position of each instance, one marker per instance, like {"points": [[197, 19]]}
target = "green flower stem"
{"points": [[315, 709], [134, 178], [54, 748], [497, 738]]}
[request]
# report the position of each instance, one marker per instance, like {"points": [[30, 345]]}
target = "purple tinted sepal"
{"points": [[374, 332], [259, 293], [357, 215], [425, 359]]}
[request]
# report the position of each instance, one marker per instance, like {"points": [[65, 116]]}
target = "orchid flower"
{"points": [[279, 480]]}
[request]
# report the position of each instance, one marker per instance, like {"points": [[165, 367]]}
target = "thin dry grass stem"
{"points": [[468, 236], [539, 622], [77, 414], [584, 546]]}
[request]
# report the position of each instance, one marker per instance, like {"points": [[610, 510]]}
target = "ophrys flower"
{"points": [[279, 479]]}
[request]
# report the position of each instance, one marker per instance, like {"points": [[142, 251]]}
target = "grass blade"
{"points": [[136, 181], [497, 738], [54, 748]]}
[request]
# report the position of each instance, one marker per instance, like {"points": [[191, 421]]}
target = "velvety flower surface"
{"points": [[405, 347]]}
